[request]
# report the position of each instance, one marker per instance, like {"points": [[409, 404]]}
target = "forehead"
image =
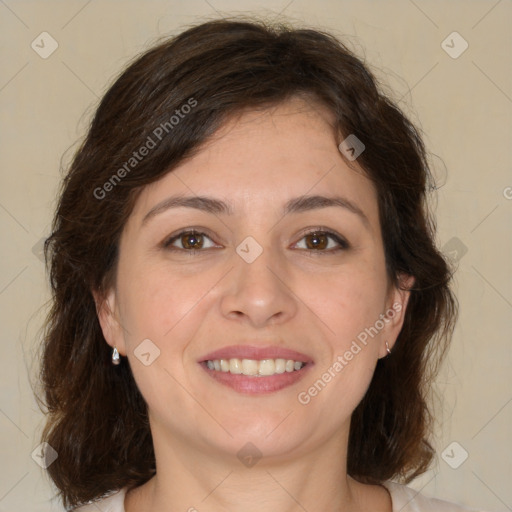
{"points": [[262, 158]]}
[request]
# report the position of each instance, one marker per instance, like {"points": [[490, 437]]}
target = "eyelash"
{"points": [[342, 243]]}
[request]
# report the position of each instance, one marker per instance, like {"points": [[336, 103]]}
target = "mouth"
{"points": [[256, 370], [253, 367]]}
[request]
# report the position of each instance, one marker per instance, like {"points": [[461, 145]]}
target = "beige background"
{"points": [[464, 106]]}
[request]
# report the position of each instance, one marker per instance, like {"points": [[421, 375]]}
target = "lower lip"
{"points": [[254, 385]]}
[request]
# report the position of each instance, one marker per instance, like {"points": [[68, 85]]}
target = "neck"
{"points": [[193, 480]]}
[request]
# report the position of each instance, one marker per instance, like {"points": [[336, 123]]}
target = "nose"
{"points": [[258, 293]]}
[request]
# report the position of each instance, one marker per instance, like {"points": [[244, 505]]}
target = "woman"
{"points": [[248, 302]]}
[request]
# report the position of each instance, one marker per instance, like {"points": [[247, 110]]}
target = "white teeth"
{"points": [[280, 365], [253, 367], [235, 366], [250, 367], [267, 367]]}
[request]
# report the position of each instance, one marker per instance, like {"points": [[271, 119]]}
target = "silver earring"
{"points": [[388, 349], [115, 357]]}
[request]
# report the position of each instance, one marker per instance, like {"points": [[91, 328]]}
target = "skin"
{"points": [[314, 301]]}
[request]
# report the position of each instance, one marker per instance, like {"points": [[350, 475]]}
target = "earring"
{"points": [[115, 357], [387, 348]]}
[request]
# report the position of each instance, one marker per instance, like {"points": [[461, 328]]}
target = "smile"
{"points": [[256, 370], [253, 367]]}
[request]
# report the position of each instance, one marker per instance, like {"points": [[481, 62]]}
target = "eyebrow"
{"points": [[216, 206], [306, 203]]}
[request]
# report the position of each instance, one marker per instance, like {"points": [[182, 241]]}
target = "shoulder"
{"points": [[111, 503], [406, 499]]}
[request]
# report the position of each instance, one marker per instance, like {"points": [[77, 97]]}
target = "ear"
{"points": [[108, 316], [396, 306]]}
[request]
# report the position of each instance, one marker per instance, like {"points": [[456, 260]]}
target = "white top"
{"points": [[404, 499]]}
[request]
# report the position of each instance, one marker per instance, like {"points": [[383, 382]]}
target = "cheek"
{"points": [[341, 378], [165, 308], [164, 305], [348, 302]]}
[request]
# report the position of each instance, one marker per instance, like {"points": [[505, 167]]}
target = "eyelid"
{"points": [[166, 244], [342, 242]]}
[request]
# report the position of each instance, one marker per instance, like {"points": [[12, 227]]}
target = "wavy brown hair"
{"points": [[97, 419]]}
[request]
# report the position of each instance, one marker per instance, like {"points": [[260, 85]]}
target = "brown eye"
{"points": [[189, 241], [317, 241], [322, 242]]}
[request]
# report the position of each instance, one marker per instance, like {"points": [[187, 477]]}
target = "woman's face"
{"points": [[286, 263]]}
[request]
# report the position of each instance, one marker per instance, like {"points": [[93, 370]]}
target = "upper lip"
{"points": [[257, 353]]}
